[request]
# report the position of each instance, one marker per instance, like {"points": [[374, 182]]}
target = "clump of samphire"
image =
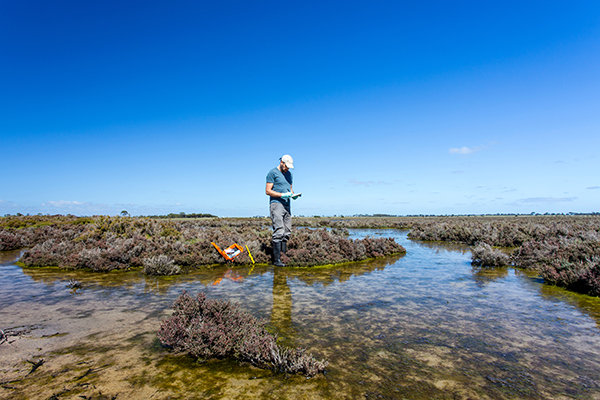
{"points": [[160, 265], [485, 256], [209, 329]]}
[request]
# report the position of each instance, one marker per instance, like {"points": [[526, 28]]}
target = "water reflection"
{"points": [[213, 276], [486, 275], [281, 314], [9, 257], [442, 247]]}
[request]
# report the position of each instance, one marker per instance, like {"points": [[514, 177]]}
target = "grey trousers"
{"points": [[282, 222]]}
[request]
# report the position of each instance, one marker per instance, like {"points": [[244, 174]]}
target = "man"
{"points": [[279, 189]]}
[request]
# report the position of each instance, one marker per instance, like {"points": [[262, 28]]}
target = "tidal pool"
{"points": [[424, 326]]}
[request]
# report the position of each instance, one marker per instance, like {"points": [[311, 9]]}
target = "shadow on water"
{"points": [[425, 325]]}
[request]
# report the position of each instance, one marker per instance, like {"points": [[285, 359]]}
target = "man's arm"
{"points": [[270, 192]]}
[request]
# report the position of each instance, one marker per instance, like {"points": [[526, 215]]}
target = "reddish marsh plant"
{"points": [[564, 249], [485, 256], [160, 265], [109, 243], [208, 329]]}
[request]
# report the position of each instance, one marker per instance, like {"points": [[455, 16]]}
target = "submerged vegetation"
{"points": [[209, 329]]}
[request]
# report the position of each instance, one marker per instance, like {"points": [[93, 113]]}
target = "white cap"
{"points": [[288, 160]]}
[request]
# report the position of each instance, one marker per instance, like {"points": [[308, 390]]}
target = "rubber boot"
{"points": [[277, 255], [284, 247]]}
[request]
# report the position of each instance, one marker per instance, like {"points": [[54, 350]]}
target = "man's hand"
{"points": [[286, 195]]}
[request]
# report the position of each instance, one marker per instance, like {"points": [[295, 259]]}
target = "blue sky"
{"points": [[396, 107]]}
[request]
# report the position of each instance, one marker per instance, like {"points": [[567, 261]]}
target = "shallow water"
{"points": [[426, 325]]}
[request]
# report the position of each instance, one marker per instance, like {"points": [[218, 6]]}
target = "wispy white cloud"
{"points": [[547, 200], [384, 201], [465, 150], [6, 203], [7, 207], [63, 203]]}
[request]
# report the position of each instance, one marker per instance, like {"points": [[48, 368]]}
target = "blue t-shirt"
{"points": [[282, 183]]}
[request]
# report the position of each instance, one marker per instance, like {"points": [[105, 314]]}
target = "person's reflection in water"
{"points": [[281, 316]]}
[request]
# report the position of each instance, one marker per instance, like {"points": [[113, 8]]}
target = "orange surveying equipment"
{"points": [[231, 252]]}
